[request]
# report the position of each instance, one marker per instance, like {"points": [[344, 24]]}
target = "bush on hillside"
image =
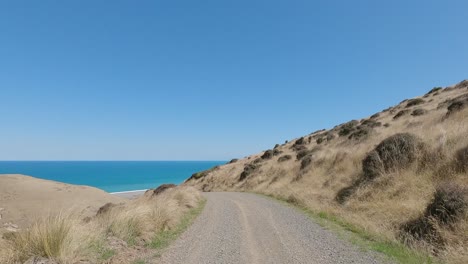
{"points": [[257, 160], [320, 140], [347, 128], [161, 188], [202, 174], [449, 205], [233, 161], [371, 123], [413, 102], [374, 116], [248, 170], [462, 84], [457, 106], [306, 161], [284, 158], [267, 154], [400, 114], [361, 133], [434, 90], [395, 152], [276, 152], [298, 148], [300, 141], [302, 154], [276, 146], [419, 112]]}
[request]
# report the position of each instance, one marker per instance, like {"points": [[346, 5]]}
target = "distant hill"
{"points": [[401, 173]]}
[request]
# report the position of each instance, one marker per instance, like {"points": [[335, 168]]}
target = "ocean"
{"points": [[110, 176]]}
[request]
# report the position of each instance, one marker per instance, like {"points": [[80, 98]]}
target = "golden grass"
{"points": [[67, 239], [379, 206]]}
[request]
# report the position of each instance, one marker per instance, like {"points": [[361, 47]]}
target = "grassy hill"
{"points": [[401, 174]]}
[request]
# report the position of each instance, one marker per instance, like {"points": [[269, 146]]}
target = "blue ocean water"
{"points": [[110, 176]]}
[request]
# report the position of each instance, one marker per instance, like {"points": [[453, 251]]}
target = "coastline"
{"points": [[129, 194]]}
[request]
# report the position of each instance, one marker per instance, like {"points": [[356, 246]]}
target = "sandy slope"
{"points": [[24, 198], [246, 228]]}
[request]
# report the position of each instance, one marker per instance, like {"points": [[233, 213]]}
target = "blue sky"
{"points": [[210, 80]]}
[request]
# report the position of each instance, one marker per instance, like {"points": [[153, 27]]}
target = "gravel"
{"points": [[247, 228]]}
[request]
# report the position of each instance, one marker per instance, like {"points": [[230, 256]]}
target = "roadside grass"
{"points": [[164, 238], [392, 250]]}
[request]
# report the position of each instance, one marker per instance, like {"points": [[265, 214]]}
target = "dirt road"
{"points": [[247, 228]]}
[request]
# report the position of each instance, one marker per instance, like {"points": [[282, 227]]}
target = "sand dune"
{"points": [[23, 199]]}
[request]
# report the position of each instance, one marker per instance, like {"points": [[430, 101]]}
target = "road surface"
{"points": [[247, 228]]}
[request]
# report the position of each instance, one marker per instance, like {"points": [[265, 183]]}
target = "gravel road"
{"points": [[247, 228]]}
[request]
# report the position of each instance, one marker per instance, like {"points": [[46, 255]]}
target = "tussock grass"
{"points": [[67, 239]]}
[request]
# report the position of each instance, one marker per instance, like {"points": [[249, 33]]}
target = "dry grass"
{"points": [[67, 239], [379, 205]]}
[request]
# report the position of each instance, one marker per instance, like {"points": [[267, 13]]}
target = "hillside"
{"points": [[401, 173]]}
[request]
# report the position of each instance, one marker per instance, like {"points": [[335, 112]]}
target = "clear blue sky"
{"points": [[210, 80]]}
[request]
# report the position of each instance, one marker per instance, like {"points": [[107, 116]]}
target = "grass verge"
{"points": [[164, 238], [365, 240]]}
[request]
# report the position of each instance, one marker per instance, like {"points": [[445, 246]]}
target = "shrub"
{"points": [[347, 128], [284, 158], [161, 188], [320, 140], [233, 161], [302, 154], [462, 84], [300, 141], [400, 114], [418, 112], [299, 148], [276, 152], [267, 154], [248, 169], [395, 152], [371, 123], [276, 146], [421, 229], [435, 89], [202, 174], [374, 116], [372, 165], [360, 133], [456, 106], [450, 202], [306, 161], [414, 102], [257, 160]]}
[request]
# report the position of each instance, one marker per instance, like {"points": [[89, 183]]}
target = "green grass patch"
{"points": [[163, 239], [365, 240], [101, 251]]}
